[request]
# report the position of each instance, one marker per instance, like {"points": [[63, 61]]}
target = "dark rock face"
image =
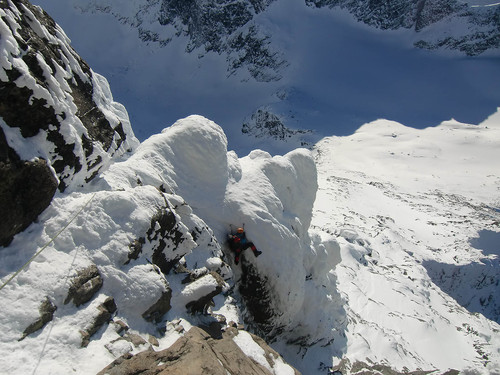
{"points": [[159, 308], [195, 353], [481, 24], [51, 114], [164, 232], [258, 298], [26, 189]]}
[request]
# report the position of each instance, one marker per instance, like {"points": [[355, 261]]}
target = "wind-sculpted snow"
{"points": [[271, 196]]}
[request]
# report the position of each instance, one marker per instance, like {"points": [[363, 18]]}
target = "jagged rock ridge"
{"points": [[481, 31], [265, 124], [204, 348], [224, 27], [59, 126]]}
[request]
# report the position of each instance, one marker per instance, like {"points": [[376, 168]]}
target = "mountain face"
{"points": [[228, 27], [222, 27], [69, 129], [416, 216]]}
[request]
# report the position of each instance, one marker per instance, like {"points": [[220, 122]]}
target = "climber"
{"points": [[238, 242]]}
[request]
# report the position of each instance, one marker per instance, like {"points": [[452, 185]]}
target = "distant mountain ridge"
{"points": [[228, 27], [223, 27], [252, 49], [480, 31]]}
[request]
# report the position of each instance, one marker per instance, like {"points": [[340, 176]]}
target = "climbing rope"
{"points": [[47, 244]]}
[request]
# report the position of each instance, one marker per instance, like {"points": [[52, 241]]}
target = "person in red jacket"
{"points": [[239, 242]]}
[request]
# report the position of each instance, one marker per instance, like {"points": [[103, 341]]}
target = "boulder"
{"points": [[209, 286], [159, 308]]}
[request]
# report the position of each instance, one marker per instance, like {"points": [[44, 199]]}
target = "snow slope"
{"points": [[416, 216]]}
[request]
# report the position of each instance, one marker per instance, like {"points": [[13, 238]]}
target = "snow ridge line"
{"points": [[48, 243]]}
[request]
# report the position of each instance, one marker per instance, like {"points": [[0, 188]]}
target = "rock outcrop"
{"points": [[104, 313], [263, 123], [197, 350], [59, 125], [84, 286], [26, 189], [47, 310]]}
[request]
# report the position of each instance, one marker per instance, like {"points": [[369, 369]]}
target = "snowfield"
{"points": [[379, 247], [406, 207]]}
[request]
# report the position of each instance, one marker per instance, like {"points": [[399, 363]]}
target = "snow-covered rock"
{"points": [[130, 238], [379, 250], [59, 125], [71, 118], [271, 196]]}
